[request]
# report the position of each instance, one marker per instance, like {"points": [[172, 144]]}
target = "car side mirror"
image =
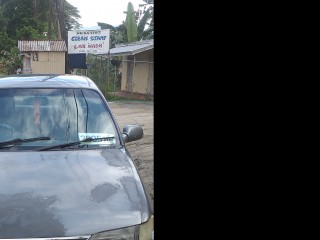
{"points": [[132, 133]]}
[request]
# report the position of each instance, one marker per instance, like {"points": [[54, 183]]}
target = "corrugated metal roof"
{"points": [[131, 48], [42, 46]]}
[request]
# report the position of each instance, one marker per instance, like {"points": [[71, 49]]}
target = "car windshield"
{"points": [[54, 116]]}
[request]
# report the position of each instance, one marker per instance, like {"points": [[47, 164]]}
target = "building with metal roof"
{"points": [[136, 67], [43, 56]]}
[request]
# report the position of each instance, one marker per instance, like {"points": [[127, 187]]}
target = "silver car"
{"points": [[65, 171]]}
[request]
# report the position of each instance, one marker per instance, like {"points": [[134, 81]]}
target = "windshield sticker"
{"points": [[110, 140]]}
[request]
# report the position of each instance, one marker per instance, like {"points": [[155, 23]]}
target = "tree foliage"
{"points": [[145, 17], [71, 15], [117, 34], [5, 42], [11, 60], [137, 26], [30, 20]]}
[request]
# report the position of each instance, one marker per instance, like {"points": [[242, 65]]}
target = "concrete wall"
{"points": [[142, 73], [48, 62]]}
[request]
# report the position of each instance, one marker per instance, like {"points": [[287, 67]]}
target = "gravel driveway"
{"points": [[141, 113]]}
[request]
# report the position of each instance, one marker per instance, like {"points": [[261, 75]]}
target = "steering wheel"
{"points": [[6, 131]]}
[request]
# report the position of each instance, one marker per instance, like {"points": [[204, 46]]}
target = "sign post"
{"points": [[89, 41]]}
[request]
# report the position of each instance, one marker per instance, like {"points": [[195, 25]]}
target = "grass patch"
{"points": [[112, 97]]}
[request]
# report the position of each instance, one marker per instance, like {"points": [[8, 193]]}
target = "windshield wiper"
{"points": [[23, 140], [64, 145]]}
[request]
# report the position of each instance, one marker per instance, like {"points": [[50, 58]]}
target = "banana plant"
{"points": [[130, 23], [130, 30], [142, 23]]}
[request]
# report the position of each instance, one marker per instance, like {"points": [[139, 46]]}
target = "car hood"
{"points": [[68, 193]]}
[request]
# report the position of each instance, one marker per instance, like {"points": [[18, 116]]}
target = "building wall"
{"points": [[140, 77], [142, 81], [48, 62]]}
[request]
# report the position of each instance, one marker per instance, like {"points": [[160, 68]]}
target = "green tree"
{"points": [[5, 42], [11, 60], [14, 15], [18, 15], [136, 21], [29, 20], [28, 33], [71, 16], [145, 18], [117, 34]]}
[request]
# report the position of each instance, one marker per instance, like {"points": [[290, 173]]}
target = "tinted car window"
{"points": [[64, 115]]}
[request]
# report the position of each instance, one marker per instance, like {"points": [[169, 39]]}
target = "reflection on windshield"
{"points": [[64, 115]]}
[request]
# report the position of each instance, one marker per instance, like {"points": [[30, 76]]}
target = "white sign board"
{"points": [[88, 41]]}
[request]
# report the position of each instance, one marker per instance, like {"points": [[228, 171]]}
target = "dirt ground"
{"points": [[141, 113]]}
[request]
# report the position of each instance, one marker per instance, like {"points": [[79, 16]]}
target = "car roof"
{"points": [[47, 81]]}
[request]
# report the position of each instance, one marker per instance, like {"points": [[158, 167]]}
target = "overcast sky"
{"points": [[106, 11]]}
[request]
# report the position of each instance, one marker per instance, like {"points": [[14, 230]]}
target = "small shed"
{"points": [[136, 68], [43, 56]]}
